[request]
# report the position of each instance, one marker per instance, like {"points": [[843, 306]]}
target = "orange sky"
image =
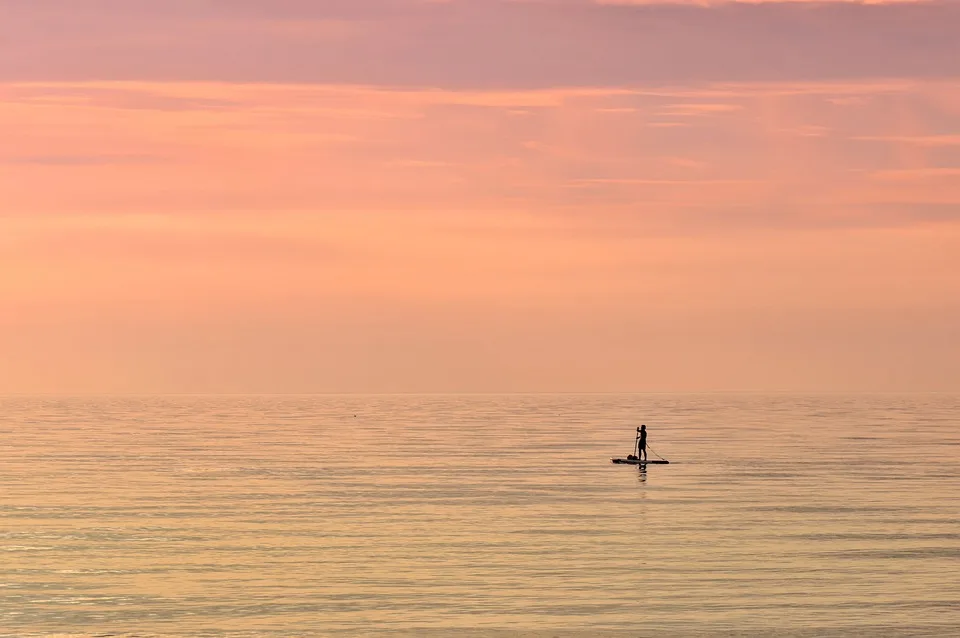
{"points": [[387, 223]]}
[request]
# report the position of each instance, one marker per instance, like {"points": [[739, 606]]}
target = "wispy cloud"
{"points": [[932, 172], [697, 109], [96, 159], [916, 140], [785, 152]]}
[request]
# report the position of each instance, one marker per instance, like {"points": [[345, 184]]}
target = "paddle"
{"points": [[636, 446], [655, 454]]}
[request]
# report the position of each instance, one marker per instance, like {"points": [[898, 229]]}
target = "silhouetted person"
{"points": [[642, 443]]}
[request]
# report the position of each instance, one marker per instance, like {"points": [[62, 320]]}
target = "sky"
{"points": [[296, 196]]}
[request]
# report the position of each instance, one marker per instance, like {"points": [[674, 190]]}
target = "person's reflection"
{"points": [[642, 477]]}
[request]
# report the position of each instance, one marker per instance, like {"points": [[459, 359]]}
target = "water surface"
{"points": [[480, 515]]}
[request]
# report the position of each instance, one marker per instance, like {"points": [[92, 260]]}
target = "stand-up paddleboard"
{"points": [[634, 458]]}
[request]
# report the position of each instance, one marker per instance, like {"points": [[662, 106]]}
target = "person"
{"points": [[642, 443]]}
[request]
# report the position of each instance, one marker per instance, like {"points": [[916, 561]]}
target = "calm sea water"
{"points": [[480, 515]]}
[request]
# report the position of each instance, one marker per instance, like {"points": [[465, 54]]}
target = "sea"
{"points": [[480, 515]]}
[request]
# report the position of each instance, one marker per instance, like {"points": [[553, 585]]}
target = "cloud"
{"points": [[474, 44], [74, 161], [767, 155], [920, 173], [715, 3], [915, 140], [697, 109]]}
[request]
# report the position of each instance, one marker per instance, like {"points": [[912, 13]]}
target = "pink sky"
{"points": [[398, 195]]}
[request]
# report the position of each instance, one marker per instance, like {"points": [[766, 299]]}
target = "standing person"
{"points": [[642, 443]]}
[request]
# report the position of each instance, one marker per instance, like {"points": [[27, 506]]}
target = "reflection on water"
{"points": [[284, 516]]}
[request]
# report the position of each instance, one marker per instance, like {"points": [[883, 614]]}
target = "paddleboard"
{"points": [[638, 462]]}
